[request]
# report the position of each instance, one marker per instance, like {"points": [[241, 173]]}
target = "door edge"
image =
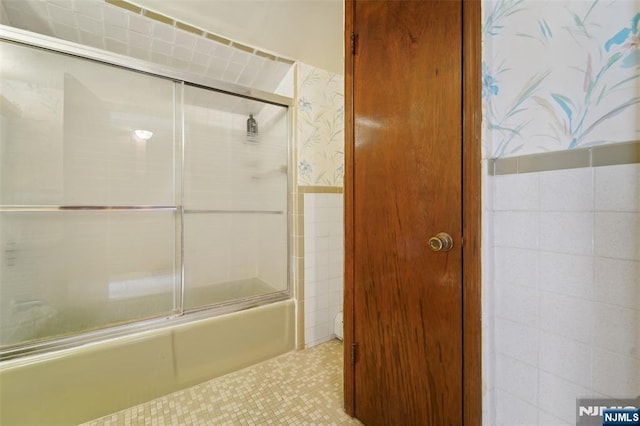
{"points": [[348, 308], [471, 212]]}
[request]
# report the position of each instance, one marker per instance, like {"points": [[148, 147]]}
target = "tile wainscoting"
{"points": [[564, 302], [323, 262]]}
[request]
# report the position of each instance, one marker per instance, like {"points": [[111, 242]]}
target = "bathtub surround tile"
{"points": [[61, 15], [66, 31], [89, 9], [300, 387], [159, 46], [116, 15], [194, 66], [90, 25], [116, 46], [138, 24], [140, 41], [119, 20], [336, 268], [186, 39], [182, 54], [97, 41], [117, 33]]}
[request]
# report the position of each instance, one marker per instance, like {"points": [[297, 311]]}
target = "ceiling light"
{"points": [[145, 135]]}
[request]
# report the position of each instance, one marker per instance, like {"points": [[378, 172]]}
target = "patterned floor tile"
{"points": [[298, 388]]}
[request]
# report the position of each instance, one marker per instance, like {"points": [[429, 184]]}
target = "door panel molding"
{"points": [[471, 212]]}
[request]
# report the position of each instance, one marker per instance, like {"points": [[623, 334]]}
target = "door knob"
{"points": [[441, 242]]}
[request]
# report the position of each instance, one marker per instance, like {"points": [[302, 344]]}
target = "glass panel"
{"points": [[67, 138], [235, 198], [68, 132], [67, 272]]}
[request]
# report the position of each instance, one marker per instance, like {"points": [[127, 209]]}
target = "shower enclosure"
{"points": [[131, 195]]}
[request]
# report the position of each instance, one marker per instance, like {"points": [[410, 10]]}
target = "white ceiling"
{"points": [[307, 30]]}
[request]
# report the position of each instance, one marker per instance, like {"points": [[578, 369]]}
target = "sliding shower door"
{"points": [[235, 198], [88, 209], [125, 196]]}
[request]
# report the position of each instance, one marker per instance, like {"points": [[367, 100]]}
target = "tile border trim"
{"points": [[123, 4], [597, 156], [310, 189]]}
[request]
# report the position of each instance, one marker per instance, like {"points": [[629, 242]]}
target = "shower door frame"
{"points": [[179, 315]]}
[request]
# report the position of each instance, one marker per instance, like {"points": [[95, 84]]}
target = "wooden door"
{"points": [[404, 301]]}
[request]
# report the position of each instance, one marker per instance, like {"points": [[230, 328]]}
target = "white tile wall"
{"points": [[574, 194], [323, 264], [565, 298], [489, 393], [610, 195], [105, 26], [558, 396]]}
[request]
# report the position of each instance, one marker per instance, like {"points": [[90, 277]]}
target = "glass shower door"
{"points": [[235, 198], [88, 210]]}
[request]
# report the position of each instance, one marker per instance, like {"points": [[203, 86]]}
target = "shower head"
{"points": [[252, 129]]}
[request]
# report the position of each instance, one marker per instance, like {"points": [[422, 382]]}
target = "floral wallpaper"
{"points": [[559, 75], [320, 127]]}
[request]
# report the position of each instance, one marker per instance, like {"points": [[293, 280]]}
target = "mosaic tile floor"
{"points": [[297, 388]]}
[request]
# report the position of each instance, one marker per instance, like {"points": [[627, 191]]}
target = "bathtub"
{"points": [[79, 384]]}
